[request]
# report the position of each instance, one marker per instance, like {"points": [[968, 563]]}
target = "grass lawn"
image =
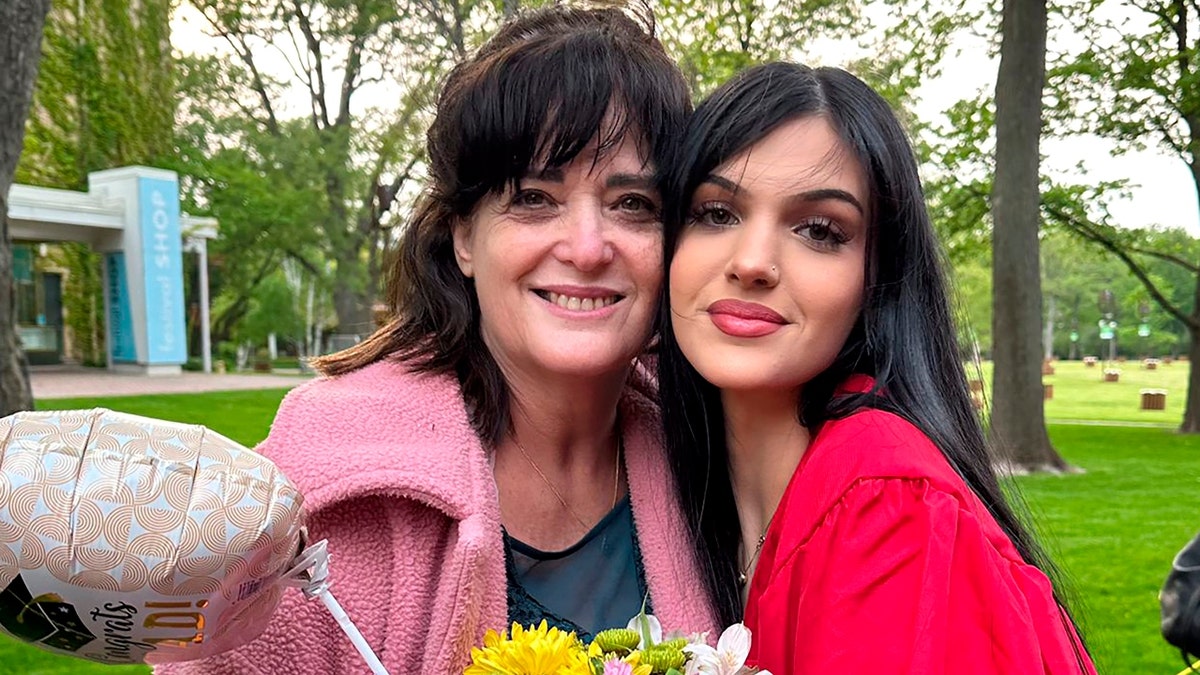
{"points": [[1113, 528], [1080, 395]]}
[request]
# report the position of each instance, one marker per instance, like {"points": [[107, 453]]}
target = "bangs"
{"points": [[538, 106]]}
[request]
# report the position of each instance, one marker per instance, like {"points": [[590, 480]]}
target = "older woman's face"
{"points": [[568, 265]]}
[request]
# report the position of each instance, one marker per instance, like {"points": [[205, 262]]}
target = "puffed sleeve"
{"points": [[900, 577]]}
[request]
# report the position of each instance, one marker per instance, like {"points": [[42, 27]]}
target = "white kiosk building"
{"points": [[132, 216]]}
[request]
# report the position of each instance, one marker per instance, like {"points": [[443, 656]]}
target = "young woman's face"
{"points": [[568, 266], [767, 278]]}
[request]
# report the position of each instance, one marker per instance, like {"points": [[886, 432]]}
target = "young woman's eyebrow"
{"points": [[723, 183], [825, 194], [817, 195]]}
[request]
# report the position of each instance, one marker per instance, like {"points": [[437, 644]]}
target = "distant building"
{"points": [[131, 215]]}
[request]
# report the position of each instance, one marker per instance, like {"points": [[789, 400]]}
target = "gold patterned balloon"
{"points": [[125, 539]]}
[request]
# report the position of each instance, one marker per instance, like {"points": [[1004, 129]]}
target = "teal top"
{"points": [[596, 584]]}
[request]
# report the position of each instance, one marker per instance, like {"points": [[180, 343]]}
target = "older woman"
{"points": [[492, 455]]}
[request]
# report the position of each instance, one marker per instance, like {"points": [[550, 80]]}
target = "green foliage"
{"points": [[104, 93], [713, 40], [319, 187], [264, 192], [958, 177], [83, 300], [1136, 81], [972, 283], [1166, 261], [271, 310]]}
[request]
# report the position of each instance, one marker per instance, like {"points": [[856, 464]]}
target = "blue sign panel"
{"points": [[121, 347], [162, 253]]}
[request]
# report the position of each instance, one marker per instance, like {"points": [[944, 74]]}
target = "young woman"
{"points": [[817, 414]]}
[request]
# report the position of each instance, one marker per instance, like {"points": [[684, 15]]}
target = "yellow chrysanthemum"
{"points": [[535, 651]]}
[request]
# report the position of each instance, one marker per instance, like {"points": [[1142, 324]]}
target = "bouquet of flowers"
{"points": [[637, 649]]}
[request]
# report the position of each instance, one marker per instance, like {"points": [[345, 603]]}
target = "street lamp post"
{"points": [[1108, 326], [1143, 326]]}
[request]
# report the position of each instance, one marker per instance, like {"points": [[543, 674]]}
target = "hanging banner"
{"points": [[162, 254], [121, 346]]}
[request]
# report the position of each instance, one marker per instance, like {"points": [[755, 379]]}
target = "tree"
{"points": [[714, 39], [1138, 249], [1138, 83], [1018, 425], [361, 158], [21, 23]]}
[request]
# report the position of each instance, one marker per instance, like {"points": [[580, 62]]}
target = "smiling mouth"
{"points": [[578, 304]]}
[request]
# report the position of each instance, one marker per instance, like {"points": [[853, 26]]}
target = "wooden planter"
{"points": [[1154, 399], [1090, 361], [1047, 392], [1112, 376]]}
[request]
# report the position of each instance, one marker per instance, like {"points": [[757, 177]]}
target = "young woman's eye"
{"points": [[713, 215], [822, 232]]}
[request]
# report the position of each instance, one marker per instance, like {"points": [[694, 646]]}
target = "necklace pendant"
{"points": [[742, 578]]}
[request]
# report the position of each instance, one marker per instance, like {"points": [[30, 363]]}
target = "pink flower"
{"points": [[617, 667]]}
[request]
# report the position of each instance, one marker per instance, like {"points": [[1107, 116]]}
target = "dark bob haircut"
{"points": [[538, 92], [904, 336]]}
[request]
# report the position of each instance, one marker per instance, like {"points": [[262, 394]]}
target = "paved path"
{"points": [[69, 382]]}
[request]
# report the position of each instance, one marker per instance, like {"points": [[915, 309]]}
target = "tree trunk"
{"points": [[1018, 424], [21, 23], [1191, 410]]}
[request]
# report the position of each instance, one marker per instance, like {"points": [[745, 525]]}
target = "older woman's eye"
{"points": [[637, 204], [531, 199]]}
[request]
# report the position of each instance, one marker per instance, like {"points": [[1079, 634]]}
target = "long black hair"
{"points": [[904, 336]]}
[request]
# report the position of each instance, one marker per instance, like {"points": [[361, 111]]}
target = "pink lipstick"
{"points": [[744, 319]]}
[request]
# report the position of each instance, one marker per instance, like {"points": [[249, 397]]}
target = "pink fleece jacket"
{"points": [[397, 481]]}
